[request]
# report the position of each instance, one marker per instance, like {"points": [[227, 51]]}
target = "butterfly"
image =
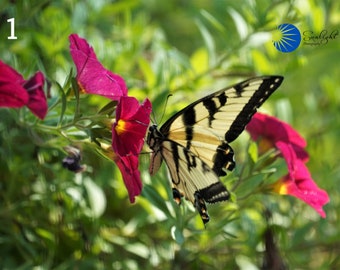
{"points": [[194, 142]]}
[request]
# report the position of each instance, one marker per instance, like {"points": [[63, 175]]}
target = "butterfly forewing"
{"points": [[219, 111], [194, 141]]}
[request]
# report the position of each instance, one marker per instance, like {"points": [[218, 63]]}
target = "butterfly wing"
{"points": [[192, 177], [207, 126], [194, 142]]}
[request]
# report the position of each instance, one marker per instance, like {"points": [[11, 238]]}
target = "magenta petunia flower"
{"points": [[300, 184], [92, 77], [132, 118], [271, 132], [128, 132], [15, 92], [129, 129]]}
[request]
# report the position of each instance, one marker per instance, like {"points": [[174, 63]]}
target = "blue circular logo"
{"points": [[289, 39]]}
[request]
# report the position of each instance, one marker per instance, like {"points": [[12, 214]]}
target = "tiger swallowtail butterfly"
{"points": [[194, 142]]}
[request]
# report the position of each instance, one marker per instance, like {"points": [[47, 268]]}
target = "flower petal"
{"points": [[10, 75], [128, 166], [92, 77], [288, 154], [275, 130], [37, 100], [12, 95], [129, 129]]}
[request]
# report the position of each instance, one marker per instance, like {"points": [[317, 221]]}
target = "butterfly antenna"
{"points": [[165, 105]]}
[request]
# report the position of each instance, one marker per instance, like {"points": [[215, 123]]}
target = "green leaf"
{"points": [[138, 249], [96, 197], [155, 199], [45, 234], [209, 42], [63, 104], [148, 73], [253, 151], [177, 235], [75, 88], [240, 24], [199, 60], [213, 21], [118, 7]]}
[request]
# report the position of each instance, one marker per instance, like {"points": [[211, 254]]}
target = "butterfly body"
{"points": [[194, 142]]}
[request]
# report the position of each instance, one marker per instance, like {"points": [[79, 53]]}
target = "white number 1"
{"points": [[12, 36]]}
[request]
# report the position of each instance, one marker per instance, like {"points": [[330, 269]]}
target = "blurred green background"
{"points": [[54, 219]]}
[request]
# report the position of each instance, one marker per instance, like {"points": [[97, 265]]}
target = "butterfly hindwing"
{"points": [[192, 177], [194, 142]]}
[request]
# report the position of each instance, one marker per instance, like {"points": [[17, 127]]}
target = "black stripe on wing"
{"points": [[201, 207], [176, 160], [266, 88], [212, 107], [223, 159], [189, 119], [214, 193]]}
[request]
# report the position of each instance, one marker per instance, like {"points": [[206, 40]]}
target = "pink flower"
{"points": [[271, 132], [92, 77], [128, 132], [132, 118], [15, 92], [129, 129], [301, 185]]}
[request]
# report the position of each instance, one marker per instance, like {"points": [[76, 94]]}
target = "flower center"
{"points": [[264, 145], [121, 127], [81, 88], [280, 187]]}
